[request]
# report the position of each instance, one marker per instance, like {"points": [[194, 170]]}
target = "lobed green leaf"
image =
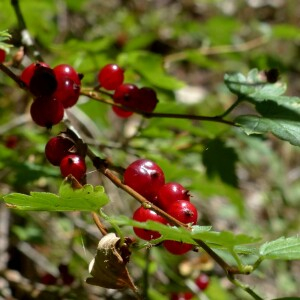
{"points": [[87, 198]]}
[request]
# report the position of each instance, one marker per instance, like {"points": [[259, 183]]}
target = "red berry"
{"points": [[122, 113], [46, 111], [202, 281], [184, 211], [126, 95], [28, 72], [111, 76], [142, 215], [146, 100], [182, 296], [48, 279], [177, 248], [2, 55], [42, 82], [67, 91], [73, 164], [11, 142], [68, 71], [57, 148], [145, 177], [171, 192]]}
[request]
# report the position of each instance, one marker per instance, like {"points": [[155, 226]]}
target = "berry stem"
{"points": [[13, 76], [26, 37], [219, 119]]}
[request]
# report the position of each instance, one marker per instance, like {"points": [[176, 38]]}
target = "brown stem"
{"points": [[13, 76], [99, 224]]}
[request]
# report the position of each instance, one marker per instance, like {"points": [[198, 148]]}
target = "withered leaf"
{"points": [[108, 268]]}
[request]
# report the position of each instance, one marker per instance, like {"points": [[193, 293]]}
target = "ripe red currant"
{"points": [[147, 100], [2, 55], [142, 215], [145, 177], [57, 148], [126, 94], [67, 91], [184, 211], [28, 72], [68, 71], [171, 192], [202, 281], [42, 82], [73, 164], [11, 142], [182, 296], [46, 111], [111, 76], [122, 113], [177, 248]]}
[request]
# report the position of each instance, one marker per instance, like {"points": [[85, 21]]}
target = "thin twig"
{"points": [[99, 224], [13, 76]]}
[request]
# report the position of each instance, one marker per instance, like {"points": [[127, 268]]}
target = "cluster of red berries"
{"points": [[143, 99], [53, 90], [202, 282], [61, 151], [147, 178]]}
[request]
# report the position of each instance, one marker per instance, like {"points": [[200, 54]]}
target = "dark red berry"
{"points": [[142, 215], [126, 95], [177, 248], [57, 148], [146, 100], [184, 211], [46, 111], [67, 91], [202, 281], [48, 279], [122, 113], [2, 55], [171, 192], [28, 72], [182, 296], [68, 71], [111, 76], [11, 142], [145, 177], [42, 82], [73, 164]]}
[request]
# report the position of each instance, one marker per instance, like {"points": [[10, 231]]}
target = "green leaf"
{"points": [[253, 86], [287, 130], [4, 36], [214, 239], [282, 248], [220, 160], [87, 198], [150, 66]]}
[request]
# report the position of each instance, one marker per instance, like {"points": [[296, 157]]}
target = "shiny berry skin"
{"points": [[67, 91], [42, 82], [110, 76], [177, 248], [182, 296], [73, 164], [184, 211], [171, 192], [142, 215], [46, 111], [57, 148], [68, 71], [28, 72], [202, 281], [147, 100], [2, 55], [126, 95], [122, 113], [145, 177]]}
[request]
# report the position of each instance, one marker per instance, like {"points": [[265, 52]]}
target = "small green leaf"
{"points": [[282, 248], [87, 198]]}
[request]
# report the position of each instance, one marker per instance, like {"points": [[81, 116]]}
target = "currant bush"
{"points": [[29, 71], [177, 248], [110, 76], [66, 71], [184, 211]]}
